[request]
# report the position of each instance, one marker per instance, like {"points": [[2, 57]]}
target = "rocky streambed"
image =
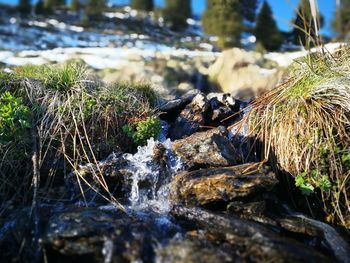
{"points": [[199, 197]]}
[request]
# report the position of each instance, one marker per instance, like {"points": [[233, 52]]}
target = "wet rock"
{"points": [[191, 119], [211, 148], [193, 250], [94, 235], [247, 208], [15, 230], [301, 224], [83, 234], [222, 106], [252, 242], [106, 177], [217, 185], [171, 109]]}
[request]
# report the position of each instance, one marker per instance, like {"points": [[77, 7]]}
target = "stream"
{"points": [[185, 200]]}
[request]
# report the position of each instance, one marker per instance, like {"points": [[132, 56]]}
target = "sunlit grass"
{"points": [[305, 127]]}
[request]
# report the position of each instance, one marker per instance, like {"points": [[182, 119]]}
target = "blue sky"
{"points": [[283, 10]]}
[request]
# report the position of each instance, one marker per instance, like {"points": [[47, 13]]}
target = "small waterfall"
{"points": [[152, 168]]}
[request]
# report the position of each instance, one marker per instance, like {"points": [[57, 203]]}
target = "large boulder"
{"points": [[211, 148], [217, 185], [240, 73]]}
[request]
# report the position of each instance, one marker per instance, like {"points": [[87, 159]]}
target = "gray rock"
{"points": [[191, 119], [211, 148], [178, 105]]}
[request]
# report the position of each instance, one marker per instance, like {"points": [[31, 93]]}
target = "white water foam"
{"points": [[151, 177]]}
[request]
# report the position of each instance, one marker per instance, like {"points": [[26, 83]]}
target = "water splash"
{"points": [[152, 168], [107, 250]]}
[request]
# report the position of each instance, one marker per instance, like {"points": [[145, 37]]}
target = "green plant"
{"points": [[308, 183], [302, 183], [345, 158], [14, 118], [144, 130]]}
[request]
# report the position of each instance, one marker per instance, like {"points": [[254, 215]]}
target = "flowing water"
{"points": [[151, 175], [147, 232]]}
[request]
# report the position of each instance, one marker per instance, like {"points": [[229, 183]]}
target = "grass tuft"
{"points": [[305, 127], [55, 118]]}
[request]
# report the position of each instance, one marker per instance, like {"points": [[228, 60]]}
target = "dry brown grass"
{"points": [[304, 125]]}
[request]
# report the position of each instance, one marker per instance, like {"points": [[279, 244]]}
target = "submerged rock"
{"points": [[211, 148], [219, 185]]}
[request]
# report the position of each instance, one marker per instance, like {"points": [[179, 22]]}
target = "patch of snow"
{"points": [[287, 58], [17, 61]]}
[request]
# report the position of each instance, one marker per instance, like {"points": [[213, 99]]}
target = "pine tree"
{"points": [[75, 5], [40, 8], [94, 9], [248, 9], [224, 20], [146, 5], [24, 6], [51, 5], [341, 22], [176, 13], [304, 29], [266, 30]]}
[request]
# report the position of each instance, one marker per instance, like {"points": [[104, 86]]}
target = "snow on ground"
{"points": [[49, 40], [98, 58], [286, 58]]}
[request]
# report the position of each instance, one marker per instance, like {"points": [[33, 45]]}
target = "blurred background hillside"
{"points": [[237, 46]]}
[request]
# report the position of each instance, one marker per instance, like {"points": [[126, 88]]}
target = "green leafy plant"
{"points": [[324, 184], [302, 183], [14, 118], [308, 183], [345, 158], [144, 130]]}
